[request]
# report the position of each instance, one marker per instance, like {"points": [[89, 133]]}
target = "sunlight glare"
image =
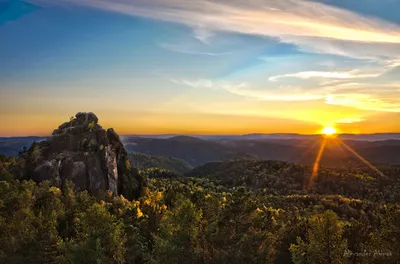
{"points": [[329, 131]]}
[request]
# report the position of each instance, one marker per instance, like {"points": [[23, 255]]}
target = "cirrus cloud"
{"points": [[312, 26], [356, 95], [323, 74]]}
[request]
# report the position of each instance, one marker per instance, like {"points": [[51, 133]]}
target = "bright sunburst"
{"points": [[329, 131]]}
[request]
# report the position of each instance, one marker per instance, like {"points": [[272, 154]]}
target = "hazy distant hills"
{"points": [[194, 151], [143, 161], [189, 151], [10, 146], [197, 151], [260, 136]]}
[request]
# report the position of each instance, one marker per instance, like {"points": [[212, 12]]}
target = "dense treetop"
{"points": [[234, 212]]}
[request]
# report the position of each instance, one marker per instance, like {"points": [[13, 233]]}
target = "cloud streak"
{"points": [[357, 95], [312, 26], [285, 93], [187, 50], [324, 74]]}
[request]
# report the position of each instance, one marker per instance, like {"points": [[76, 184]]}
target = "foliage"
{"points": [[91, 125], [158, 173], [282, 178], [143, 162], [36, 154], [324, 241], [206, 219]]}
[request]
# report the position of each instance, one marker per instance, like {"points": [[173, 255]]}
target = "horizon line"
{"points": [[221, 135]]}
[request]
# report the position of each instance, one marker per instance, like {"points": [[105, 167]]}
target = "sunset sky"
{"points": [[199, 66]]}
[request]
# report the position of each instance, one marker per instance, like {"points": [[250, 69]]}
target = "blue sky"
{"points": [[172, 66]]}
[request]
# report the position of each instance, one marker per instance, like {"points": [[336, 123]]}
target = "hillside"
{"points": [[196, 151], [143, 161], [13, 145], [192, 150], [92, 202], [282, 178], [242, 211]]}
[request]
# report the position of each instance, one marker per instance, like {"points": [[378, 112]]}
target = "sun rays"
{"points": [[330, 138], [317, 161], [366, 162]]}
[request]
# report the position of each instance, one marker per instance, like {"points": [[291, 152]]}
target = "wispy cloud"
{"points": [[324, 74], [312, 26], [357, 95], [284, 93], [349, 120], [371, 101], [366, 96], [203, 35], [200, 83], [187, 50]]}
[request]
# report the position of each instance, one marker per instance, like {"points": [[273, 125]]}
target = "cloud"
{"points": [[356, 95], [323, 74], [200, 83], [187, 50], [385, 52], [350, 120], [312, 26], [371, 101], [284, 93], [365, 96], [203, 35]]}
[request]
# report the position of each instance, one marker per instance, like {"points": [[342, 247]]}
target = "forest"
{"points": [[248, 211]]}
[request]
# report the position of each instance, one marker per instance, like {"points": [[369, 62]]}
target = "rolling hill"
{"points": [[144, 161], [196, 151]]}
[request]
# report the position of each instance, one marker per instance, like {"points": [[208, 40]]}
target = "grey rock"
{"points": [[92, 118], [64, 125], [96, 176], [76, 173], [112, 169], [87, 155], [57, 131], [48, 171]]}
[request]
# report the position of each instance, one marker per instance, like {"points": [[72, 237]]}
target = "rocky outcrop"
{"points": [[82, 152]]}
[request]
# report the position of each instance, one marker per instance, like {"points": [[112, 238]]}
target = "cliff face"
{"points": [[83, 152]]}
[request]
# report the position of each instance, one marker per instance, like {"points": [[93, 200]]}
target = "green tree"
{"points": [[324, 242], [100, 238], [177, 240], [36, 154]]}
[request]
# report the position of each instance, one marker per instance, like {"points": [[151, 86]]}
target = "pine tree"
{"points": [[324, 243]]}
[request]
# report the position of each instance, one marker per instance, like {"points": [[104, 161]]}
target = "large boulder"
{"points": [[82, 152]]}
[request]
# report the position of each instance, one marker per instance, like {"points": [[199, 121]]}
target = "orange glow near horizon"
{"points": [[190, 123]]}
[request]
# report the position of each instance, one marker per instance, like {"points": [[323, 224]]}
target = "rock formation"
{"points": [[82, 152]]}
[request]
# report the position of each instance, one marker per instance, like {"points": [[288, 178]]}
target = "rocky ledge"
{"points": [[84, 153]]}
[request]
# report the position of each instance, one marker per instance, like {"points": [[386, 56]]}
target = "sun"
{"points": [[329, 131]]}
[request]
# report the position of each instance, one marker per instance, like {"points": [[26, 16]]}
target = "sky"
{"points": [[201, 66]]}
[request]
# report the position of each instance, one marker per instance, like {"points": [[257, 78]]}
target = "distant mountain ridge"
{"points": [[262, 136], [143, 161], [376, 148], [10, 146], [197, 151]]}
